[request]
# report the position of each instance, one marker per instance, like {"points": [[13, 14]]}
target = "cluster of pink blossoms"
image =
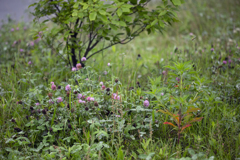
{"points": [[103, 87], [115, 96]]}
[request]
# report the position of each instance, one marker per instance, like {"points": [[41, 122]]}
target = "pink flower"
{"points": [[91, 99], [17, 28], [178, 79], [118, 116], [146, 103], [52, 83], [51, 101], [31, 43], [12, 29], [224, 62], [229, 61], [103, 87], [74, 69], [54, 87], [101, 83], [79, 66], [59, 99], [86, 79], [162, 94], [164, 72], [88, 99], [21, 50], [105, 72], [30, 62], [191, 34], [80, 101], [109, 64], [83, 59], [212, 49], [68, 88], [25, 28], [37, 104], [79, 96]]}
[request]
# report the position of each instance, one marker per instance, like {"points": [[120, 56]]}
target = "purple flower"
{"points": [[52, 83], [229, 61], [164, 72], [103, 87], [105, 72], [224, 62], [21, 50], [83, 59], [17, 28], [31, 43], [79, 66], [101, 83], [54, 87], [30, 62], [12, 29], [191, 34], [178, 79], [212, 49], [37, 104], [86, 79], [80, 101], [74, 69], [79, 96], [59, 99], [118, 116], [51, 101], [162, 94], [68, 88], [88, 99], [109, 64], [91, 99], [146, 103]]}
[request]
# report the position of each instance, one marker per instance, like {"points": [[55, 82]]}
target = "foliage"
{"points": [[84, 24]]}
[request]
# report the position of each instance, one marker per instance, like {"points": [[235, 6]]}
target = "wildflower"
{"points": [[105, 72], [109, 64], [91, 99], [116, 80], [162, 94], [31, 43], [146, 103], [59, 87], [178, 79], [81, 101], [50, 95], [96, 103], [191, 34], [12, 29], [68, 88], [25, 28], [212, 49], [59, 99], [37, 104], [84, 59], [50, 101], [101, 83], [79, 66], [86, 108], [53, 86], [21, 50], [30, 62], [224, 62], [229, 61], [108, 89], [74, 69], [79, 96], [103, 87], [17, 28], [86, 79], [118, 116], [164, 72]]}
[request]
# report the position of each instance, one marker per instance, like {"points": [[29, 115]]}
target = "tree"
{"points": [[84, 24]]}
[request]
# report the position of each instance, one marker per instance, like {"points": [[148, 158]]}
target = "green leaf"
{"points": [[102, 12], [92, 16], [121, 23], [176, 2], [119, 12], [162, 13], [154, 22]]}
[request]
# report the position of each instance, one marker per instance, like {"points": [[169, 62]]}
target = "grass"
{"points": [[77, 131]]}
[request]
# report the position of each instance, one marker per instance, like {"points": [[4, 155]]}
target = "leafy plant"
{"points": [[84, 24]]}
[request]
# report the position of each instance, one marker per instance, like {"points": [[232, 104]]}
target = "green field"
{"points": [[171, 95]]}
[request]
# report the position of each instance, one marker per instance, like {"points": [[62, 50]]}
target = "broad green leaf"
{"points": [[92, 16], [119, 12], [176, 2]]}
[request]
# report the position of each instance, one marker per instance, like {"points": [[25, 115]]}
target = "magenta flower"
{"points": [[229, 61], [25, 28], [68, 88], [103, 87], [79, 96], [101, 83], [86, 79], [21, 50], [83, 59], [88, 99], [146, 103], [178, 79], [12, 29], [30, 62], [52, 83], [212, 49], [91, 99], [74, 69], [118, 116], [79, 66], [59, 99], [162, 94], [37, 104], [80, 101], [31, 43], [224, 62], [164, 72], [191, 34], [109, 64], [54, 87]]}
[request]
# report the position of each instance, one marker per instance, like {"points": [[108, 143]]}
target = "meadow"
{"points": [[172, 95]]}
